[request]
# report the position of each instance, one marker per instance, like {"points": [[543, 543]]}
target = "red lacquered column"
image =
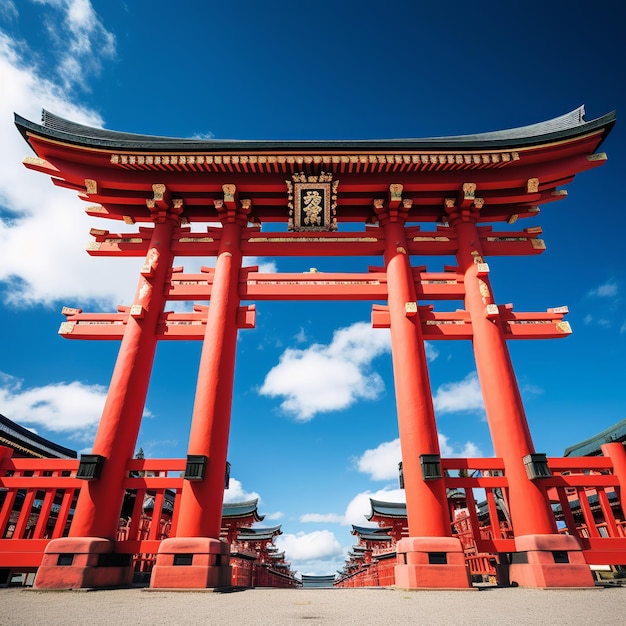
{"points": [[430, 557], [95, 522]]}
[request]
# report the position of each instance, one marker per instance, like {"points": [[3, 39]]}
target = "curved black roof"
{"points": [[29, 443], [591, 446], [566, 126], [241, 509], [388, 509]]}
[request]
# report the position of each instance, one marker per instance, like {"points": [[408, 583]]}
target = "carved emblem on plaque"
{"points": [[312, 202]]}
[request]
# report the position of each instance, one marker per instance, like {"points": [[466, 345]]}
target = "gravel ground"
{"points": [[313, 606]]}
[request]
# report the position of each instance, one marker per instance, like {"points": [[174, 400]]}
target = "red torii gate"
{"points": [[461, 183]]}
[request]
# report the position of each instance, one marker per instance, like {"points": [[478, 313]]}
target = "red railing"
{"points": [[38, 496]]}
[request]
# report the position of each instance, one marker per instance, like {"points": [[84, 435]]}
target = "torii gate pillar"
{"points": [[86, 558], [543, 557], [430, 557], [196, 558]]}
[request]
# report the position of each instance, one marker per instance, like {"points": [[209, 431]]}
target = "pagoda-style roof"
{"points": [[310, 581], [28, 444], [232, 510], [566, 126], [591, 446], [372, 534], [258, 534], [513, 171], [387, 509]]}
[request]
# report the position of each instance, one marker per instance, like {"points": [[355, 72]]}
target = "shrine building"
{"points": [[401, 200]]}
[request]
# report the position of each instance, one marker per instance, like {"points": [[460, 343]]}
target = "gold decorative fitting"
{"points": [[559, 309], [449, 203], [407, 203], [410, 309], [564, 327], [70, 310], [512, 218], [491, 311], [229, 192], [178, 203], [469, 190], [484, 289], [91, 186], [94, 245], [128, 219], [479, 203], [98, 232], [534, 230], [538, 244], [401, 250], [395, 192], [532, 186], [355, 163], [137, 311], [31, 160], [482, 269], [158, 191], [67, 328], [312, 202], [598, 156]]}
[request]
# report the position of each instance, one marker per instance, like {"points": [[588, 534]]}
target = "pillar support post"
{"points": [[86, 558], [196, 558], [430, 557], [538, 561]]}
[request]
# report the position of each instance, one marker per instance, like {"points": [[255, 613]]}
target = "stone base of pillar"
{"points": [[431, 563], [192, 563], [83, 562], [549, 561]]}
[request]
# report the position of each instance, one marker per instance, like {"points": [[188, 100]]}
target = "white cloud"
{"points": [[78, 38], [323, 518], [459, 397], [71, 408], [381, 463], [44, 229], [330, 377], [317, 545], [359, 508], [273, 516], [236, 492], [606, 290], [8, 10]]}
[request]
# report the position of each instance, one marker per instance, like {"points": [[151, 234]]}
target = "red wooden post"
{"points": [[533, 521], [426, 500], [200, 513], [616, 452], [95, 522]]}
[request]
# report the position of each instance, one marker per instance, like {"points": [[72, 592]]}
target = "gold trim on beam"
{"points": [[337, 163]]}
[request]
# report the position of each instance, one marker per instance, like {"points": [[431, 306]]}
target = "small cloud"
{"points": [[588, 318], [273, 516], [319, 544], [623, 328], [331, 377], [72, 408], [322, 518], [301, 336], [8, 11], [606, 290], [236, 492], [463, 396], [207, 135]]}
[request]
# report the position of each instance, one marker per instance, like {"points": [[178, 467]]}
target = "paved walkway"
{"points": [[365, 607]]}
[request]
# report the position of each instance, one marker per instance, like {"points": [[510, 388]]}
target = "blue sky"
{"points": [[314, 432]]}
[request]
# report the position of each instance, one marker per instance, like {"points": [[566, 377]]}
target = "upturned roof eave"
{"points": [[568, 126]]}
